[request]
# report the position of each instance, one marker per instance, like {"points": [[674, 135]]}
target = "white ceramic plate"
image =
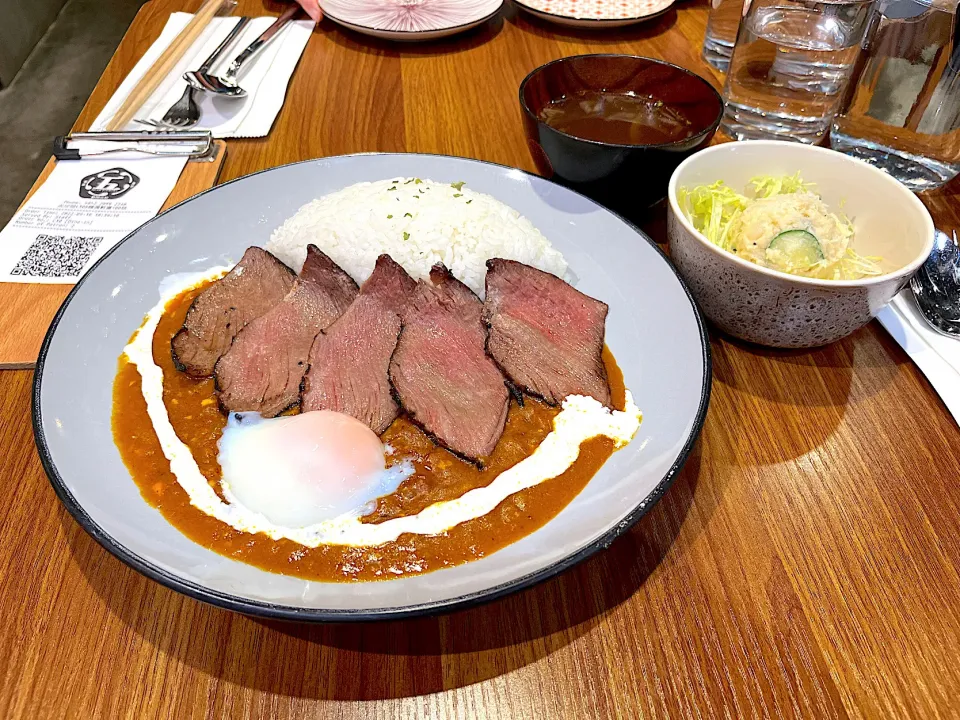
{"points": [[410, 20], [653, 328], [595, 13]]}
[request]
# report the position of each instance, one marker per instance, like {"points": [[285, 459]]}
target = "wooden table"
{"points": [[805, 563]]}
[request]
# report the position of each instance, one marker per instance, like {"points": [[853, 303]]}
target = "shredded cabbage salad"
{"points": [[782, 224]]}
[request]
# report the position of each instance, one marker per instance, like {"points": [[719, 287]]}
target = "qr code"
{"points": [[56, 256]]}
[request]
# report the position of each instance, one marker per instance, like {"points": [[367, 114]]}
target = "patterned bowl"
{"points": [[410, 20], [595, 14], [772, 308]]}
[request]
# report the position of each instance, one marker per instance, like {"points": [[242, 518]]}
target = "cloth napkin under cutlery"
{"points": [[937, 356], [265, 79]]}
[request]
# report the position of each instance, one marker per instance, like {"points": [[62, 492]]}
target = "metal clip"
{"points": [[193, 144]]}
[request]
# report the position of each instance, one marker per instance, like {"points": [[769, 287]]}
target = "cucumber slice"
{"points": [[798, 247]]}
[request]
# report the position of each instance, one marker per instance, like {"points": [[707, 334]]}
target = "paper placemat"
{"points": [[265, 78], [937, 356]]}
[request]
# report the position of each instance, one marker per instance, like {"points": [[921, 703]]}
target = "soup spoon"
{"points": [[227, 86], [936, 286]]}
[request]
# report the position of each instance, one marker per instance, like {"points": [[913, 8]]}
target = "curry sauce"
{"points": [[438, 476]]}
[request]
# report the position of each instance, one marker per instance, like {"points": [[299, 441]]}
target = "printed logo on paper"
{"points": [[108, 184]]}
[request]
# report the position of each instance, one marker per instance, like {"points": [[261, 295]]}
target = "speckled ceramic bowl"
{"points": [[780, 310]]}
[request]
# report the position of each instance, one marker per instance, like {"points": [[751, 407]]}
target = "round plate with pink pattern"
{"points": [[410, 20], [595, 13]]}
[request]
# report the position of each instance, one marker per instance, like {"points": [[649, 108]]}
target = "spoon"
{"points": [[192, 76], [936, 286], [227, 86]]}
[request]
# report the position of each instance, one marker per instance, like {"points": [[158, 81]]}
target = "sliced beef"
{"points": [[263, 368], [442, 376], [545, 335], [390, 283], [257, 283], [349, 360], [330, 277]]}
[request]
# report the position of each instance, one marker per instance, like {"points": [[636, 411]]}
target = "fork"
{"points": [[150, 122], [185, 112]]}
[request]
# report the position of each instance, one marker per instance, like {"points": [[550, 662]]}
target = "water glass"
{"points": [[903, 115], [722, 25], [790, 67]]}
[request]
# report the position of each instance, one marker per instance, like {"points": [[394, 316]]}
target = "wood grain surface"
{"points": [[26, 309], [805, 563]]}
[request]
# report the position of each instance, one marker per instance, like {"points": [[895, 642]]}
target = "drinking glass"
{"points": [[722, 25], [903, 114], [790, 67]]}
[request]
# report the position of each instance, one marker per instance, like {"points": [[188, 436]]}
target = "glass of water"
{"points": [[722, 25], [903, 115], [790, 67]]}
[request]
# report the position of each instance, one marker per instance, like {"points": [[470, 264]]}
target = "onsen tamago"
{"points": [[300, 470]]}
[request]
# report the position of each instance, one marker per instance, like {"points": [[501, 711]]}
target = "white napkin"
{"points": [[265, 77], [937, 356]]}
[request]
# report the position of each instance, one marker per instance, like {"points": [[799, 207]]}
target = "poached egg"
{"points": [[300, 470]]}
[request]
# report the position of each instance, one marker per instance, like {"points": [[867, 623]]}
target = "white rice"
{"points": [[418, 223]]}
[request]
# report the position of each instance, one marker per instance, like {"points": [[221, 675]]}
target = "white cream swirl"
{"points": [[580, 419]]}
